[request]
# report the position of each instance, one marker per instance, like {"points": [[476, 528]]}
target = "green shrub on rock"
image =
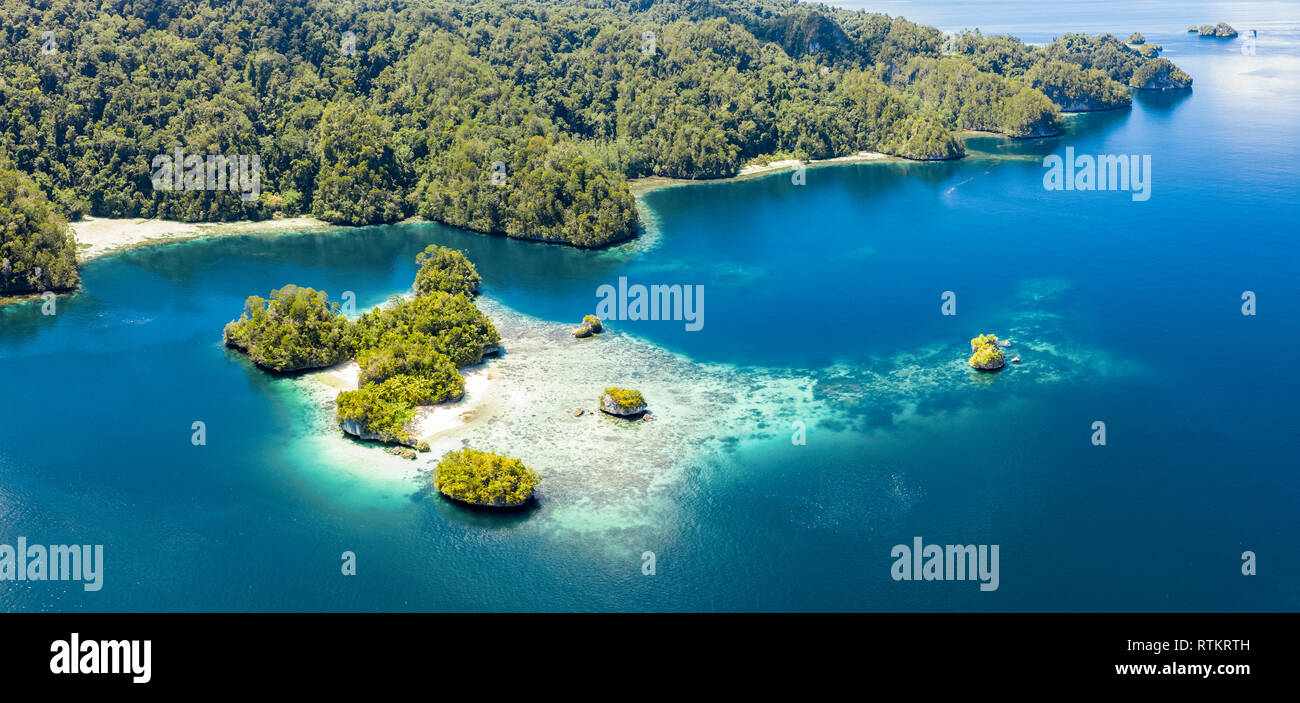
{"points": [[986, 354], [590, 325], [367, 412], [622, 401], [483, 478]]}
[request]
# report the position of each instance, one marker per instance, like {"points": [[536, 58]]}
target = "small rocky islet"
{"points": [[590, 325], [622, 402], [484, 479], [1222, 30], [986, 353]]}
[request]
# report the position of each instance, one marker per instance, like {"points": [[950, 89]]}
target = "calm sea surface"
{"points": [[1124, 312]]}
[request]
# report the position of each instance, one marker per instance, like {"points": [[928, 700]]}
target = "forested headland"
{"points": [[37, 252], [513, 117]]}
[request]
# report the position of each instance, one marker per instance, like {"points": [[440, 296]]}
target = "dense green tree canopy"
{"points": [[298, 328], [1067, 86], [447, 270], [37, 251], [1159, 74], [449, 324], [516, 117], [408, 351], [484, 478]]}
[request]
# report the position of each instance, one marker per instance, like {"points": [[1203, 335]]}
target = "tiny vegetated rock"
{"points": [[986, 354], [590, 325], [622, 402]]}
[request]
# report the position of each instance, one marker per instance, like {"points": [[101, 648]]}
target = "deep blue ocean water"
{"points": [[1125, 312]]}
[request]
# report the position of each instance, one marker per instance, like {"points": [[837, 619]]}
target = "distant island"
{"points": [[518, 118], [1222, 30], [408, 351]]}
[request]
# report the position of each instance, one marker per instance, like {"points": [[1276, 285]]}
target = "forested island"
{"points": [[484, 479], [512, 117], [408, 351]]}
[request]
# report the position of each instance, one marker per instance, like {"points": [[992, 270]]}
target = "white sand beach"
{"points": [[430, 420], [98, 236], [640, 186]]}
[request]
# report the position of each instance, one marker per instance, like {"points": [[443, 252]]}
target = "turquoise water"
{"points": [[822, 306]]}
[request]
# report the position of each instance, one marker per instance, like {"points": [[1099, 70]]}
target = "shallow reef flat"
{"points": [[605, 473]]}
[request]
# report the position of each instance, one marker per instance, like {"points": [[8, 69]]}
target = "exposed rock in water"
{"points": [[590, 325], [612, 407], [1222, 30], [355, 429]]}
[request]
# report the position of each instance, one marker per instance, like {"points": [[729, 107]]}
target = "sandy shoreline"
{"points": [[641, 186], [100, 236], [430, 420]]}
